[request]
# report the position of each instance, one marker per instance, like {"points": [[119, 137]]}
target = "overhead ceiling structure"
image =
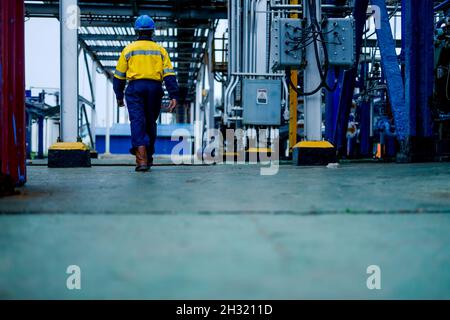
{"points": [[107, 27]]}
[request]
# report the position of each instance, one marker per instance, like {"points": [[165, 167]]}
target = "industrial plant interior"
{"points": [[307, 157]]}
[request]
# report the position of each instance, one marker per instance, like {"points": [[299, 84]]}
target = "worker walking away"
{"points": [[145, 65]]}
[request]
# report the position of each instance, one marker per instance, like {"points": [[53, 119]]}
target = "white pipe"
{"points": [[284, 102], [313, 103], [258, 74], [69, 70], [108, 116], [246, 36], [236, 54], [252, 35], [231, 55], [262, 40], [94, 109]]}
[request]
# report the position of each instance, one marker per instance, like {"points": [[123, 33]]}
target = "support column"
{"points": [[313, 103], [69, 70], [417, 35], [69, 153], [313, 151]]}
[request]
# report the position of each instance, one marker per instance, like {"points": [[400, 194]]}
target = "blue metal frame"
{"points": [[349, 80], [392, 72], [419, 64]]}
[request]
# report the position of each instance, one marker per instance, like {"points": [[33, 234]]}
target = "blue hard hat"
{"points": [[144, 23]]}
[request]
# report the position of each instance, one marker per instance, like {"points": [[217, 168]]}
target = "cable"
{"points": [[300, 93], [314, 36]]}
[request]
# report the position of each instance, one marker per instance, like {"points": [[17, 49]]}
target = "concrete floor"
{"points": [[226, 232]]}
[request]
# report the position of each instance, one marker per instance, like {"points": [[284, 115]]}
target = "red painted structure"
{"points": [[12, 93]]}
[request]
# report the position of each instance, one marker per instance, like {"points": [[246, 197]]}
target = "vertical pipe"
{"points": [[293, 100], [41, 137], [69, 69], [262, 43], [251, 35], [238, 38], [313, 103], [231, 48], [69, 13], [108, 118], [93, 109], [236, 52], [211, 123], [245, 36]]}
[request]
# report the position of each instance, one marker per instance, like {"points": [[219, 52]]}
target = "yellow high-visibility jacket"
{"points": [[144, 59]]}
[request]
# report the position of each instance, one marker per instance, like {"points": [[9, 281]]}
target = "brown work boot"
{"points": [[141, 159]]}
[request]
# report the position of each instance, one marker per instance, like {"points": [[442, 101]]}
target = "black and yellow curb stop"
{"points": [[314, 153], [69, 155]]}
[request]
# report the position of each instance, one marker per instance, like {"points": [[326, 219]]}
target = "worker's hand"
{"points": [[120, 103], [172, 105]]}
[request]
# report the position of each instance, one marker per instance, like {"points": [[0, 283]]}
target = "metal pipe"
{"points": [[238, 37], [250, 36], [254, 74], [93, 109], [69, 70], [286, 88], [230, 55], [245, 34], [261, 37], [255, 5], [108, 116], [442, 6], [323, 6], [313, 103], [237, 51]]}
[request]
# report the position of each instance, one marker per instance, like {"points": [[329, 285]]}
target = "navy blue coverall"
{"points": [[144, 64]]}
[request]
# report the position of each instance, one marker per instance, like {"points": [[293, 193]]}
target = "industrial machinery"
{"points": [[441, 103], [268, 42], [352, 73]]}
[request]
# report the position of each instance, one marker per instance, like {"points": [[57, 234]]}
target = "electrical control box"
{"points": [[261, 101], [286, 47], [340, 40]]}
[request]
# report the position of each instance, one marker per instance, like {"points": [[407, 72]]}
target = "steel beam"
{"points": [[94, 57], [391, 69], [160, 25], [45, 10], [349, 80], [169, 50], [119, 37], [173, 59]]}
